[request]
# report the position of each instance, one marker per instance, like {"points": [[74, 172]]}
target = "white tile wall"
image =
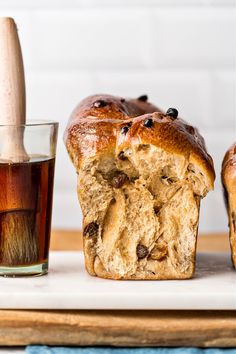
{"points": [[180, 52], [194, 38]]}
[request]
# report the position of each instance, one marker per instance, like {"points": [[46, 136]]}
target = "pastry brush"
{"points": [[18, 241]]}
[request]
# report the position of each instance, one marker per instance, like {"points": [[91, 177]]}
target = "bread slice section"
{"points": [[145, 209]]}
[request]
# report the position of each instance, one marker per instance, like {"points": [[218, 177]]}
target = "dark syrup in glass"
{"points": [[26, 192]]}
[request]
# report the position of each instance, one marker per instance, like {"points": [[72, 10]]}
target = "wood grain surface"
{"points": [[120, 328]]}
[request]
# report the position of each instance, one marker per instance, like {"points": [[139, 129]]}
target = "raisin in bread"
{"points": [[141, 176], [229, 183]]}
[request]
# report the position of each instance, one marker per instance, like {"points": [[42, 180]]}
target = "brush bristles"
{"points": [[19, 241]]}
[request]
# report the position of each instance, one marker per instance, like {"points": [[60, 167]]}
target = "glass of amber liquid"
{"points": [[26, 194]]}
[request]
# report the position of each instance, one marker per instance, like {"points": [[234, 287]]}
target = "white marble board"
{"points": [[68, 286]]}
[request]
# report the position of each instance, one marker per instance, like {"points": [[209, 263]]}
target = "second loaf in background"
{"points": [[141, 176], [229, 182]]}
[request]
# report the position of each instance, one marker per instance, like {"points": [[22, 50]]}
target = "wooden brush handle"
{"points": [[12, 92]]}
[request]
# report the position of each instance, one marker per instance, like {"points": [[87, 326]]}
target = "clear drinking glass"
{"points": [[26, 193]]}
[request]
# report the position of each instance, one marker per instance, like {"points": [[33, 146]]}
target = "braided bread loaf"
{"points": [[141, 175], [229, 182]]}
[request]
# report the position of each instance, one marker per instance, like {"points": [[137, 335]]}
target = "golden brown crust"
{"points": [[228, 176], [229, 169], [95, 127]]}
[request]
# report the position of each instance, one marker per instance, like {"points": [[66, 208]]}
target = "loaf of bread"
{"points": [[141, 176], [229, 183]]}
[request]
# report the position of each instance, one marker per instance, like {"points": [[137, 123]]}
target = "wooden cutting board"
{"points": [[120, 328]]}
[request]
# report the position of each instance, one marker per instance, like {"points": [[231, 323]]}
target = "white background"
{"points": [[180, 53]]}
